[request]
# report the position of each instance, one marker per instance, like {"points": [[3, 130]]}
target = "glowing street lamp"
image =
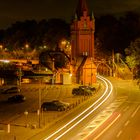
{"points": [[26, 46], [1, 47]]}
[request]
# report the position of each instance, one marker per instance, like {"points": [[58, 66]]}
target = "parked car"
{"points": [[17, 98], [14, 89], [83, 90], [88, 88], [55, 105]]}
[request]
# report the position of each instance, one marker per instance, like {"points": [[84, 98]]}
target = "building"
{"points": [[82, 45]]}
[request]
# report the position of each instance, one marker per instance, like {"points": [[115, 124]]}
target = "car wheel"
{"points": [[60, 109]]}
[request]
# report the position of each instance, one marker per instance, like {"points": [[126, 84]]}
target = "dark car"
{"points": [[55, 105], [88, 88], [17, 98], [83, 90], [11, 90]]}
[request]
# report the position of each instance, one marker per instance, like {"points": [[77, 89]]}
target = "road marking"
{"points": [[125, 109], [134, 113], [127, 123], [118, 135], [107, 127]]}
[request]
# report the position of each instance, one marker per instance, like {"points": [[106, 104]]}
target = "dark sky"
{"points": [[20, 10]]}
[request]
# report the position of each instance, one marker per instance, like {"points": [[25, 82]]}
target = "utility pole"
{"points": [[113, 62], [53, 70], [20, 74], [39, 102]]}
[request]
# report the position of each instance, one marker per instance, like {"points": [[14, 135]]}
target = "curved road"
{"points": [[71, 127], [124, 122]]}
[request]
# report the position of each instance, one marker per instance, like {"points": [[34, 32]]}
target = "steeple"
{"points": [[81, 7], [92, 16]]}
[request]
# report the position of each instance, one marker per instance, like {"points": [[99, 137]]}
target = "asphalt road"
{"points": [[72, 125], [126, 127], [118, 118], [123, 114]]}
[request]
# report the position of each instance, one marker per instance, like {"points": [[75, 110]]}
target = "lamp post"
{"points": [[39, 107], [39, 102], [1, 47], [20, 75], [26, 118], [53, 71], [1, 50], [26, 50]]}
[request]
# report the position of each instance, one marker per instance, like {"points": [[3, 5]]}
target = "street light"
{"points": [[26, 46], [26, 50], [39, 102], [1, 47], [53, 69], [26, 118]]}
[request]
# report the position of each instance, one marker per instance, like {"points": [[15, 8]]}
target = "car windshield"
{"points": [[59, 102]]}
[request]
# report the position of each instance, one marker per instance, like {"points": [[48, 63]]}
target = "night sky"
{"points": [[20, 10]]}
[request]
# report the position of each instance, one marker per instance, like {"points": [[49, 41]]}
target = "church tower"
{"points": [[82, 45], [82, 31]]}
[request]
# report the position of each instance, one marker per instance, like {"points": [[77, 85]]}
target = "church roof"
{"points": [[81, 7]]}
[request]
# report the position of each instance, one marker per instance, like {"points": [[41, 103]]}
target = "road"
{"points": [[113, 116], [75, 122], [126, 126], [117, 121], [123, 119]]}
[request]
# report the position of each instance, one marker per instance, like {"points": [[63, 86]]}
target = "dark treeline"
{"points": [[35, 34], [117, 33], [110, 33]]}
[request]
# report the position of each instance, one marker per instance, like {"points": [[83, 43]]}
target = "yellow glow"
{"points": [[1, 47], [26, 46], [63, 42]]}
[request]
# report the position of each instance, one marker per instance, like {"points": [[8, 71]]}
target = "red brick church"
{"points": [[82, 45]]}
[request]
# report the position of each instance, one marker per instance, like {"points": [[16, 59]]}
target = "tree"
{"points": [[130, 60], [59, 58], [57, 29], [133, 56]]}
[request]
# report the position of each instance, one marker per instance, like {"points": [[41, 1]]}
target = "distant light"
{"points": [[70, 74], [45, 47], [1, 47], [63, 42], [26, 46], [5, 61]]}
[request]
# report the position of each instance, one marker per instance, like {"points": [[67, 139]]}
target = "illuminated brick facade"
{"points": [[82, 45], [82, 32]]}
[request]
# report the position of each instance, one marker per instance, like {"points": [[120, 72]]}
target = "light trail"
{"points": [[105, 92]]}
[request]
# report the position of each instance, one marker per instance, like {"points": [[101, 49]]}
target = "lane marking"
{"points": [[125, 109], [107, 127], [134, 113], [118, 135], [97, 125], [127, 123]]}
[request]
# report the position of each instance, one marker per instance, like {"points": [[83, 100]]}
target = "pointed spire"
{"points": [[81, 7], [92, 16], [76, 16]]}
